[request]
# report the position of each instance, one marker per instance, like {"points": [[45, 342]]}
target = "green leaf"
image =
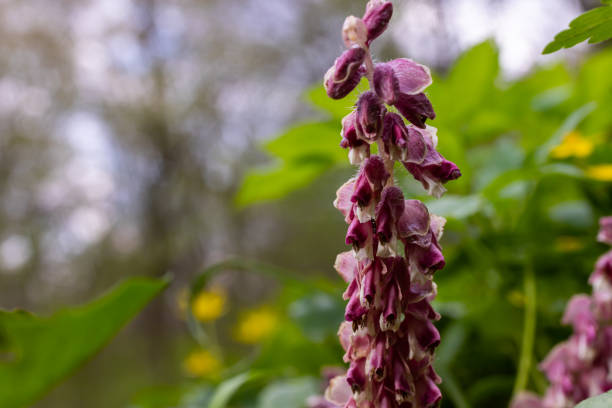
{"points": [[309, 142], [336, 108], [288, 394], [600, 401], [261, 185], [472, 78], [594, 25], [43, 350], [458, 207], [317, 315], [305, 151], [226, 390]]}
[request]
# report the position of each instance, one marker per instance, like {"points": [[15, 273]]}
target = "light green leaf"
{"points": [[336, 108], [262, 185], [600, 401], [288, 394], [317, 315], [226, 390], [304, 151], [471, 78], [310, 142], [594, 25], [453, 206], [40, 351]]}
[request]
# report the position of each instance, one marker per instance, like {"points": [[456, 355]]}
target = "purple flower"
{"points": [[434, 170], [370, 181], [345, 74], [526, 400], [400, 76], [369, 116], [388, 211], [376, 18], [359, 150], [605, 230], [406, 144], [401, 83]]}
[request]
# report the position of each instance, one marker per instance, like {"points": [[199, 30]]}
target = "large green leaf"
{"points": [[288, 393], [40, 351], [227, 389], [472, 79], [305, 151], [594, 25], [600, 401]]}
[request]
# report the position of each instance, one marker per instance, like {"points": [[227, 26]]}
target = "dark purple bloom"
{"points": [[359, 150], [400, 76], [356, 376], [376, 18], [434, 170], [401, 83], [346, 73], [388, 211], [369, 119], [402, 143], [416, 108]]}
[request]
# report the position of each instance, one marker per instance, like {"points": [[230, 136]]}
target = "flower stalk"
{"points": [[388, 335]]}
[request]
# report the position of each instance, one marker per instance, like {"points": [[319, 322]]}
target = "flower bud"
{"points": [[345, 74], [356, 376], [354, 32], [346, 266], [370, 113], [605, 230], [434, 170], [338, 391], [389, 319], [526, 400], [415, 108], [358, 149], [369, 282], [375, 365], [428, 393], [413, 224], [403, 383], [388, 211], [402, 143], [376, 18], [354, 311]]}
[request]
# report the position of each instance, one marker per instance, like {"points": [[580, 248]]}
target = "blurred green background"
{"points": [[185, 141]]}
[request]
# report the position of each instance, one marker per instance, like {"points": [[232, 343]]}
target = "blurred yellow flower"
{"points": [[573, 145], [516, 298], [256, 325], [209, 305], [568, 244], [602, 172], [201, 363]]}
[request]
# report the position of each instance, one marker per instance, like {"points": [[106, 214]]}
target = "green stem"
{"points": [[528, 331]]}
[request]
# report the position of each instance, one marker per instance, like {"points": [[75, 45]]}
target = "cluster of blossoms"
{"points": [[581, 367], [389, 336]]}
